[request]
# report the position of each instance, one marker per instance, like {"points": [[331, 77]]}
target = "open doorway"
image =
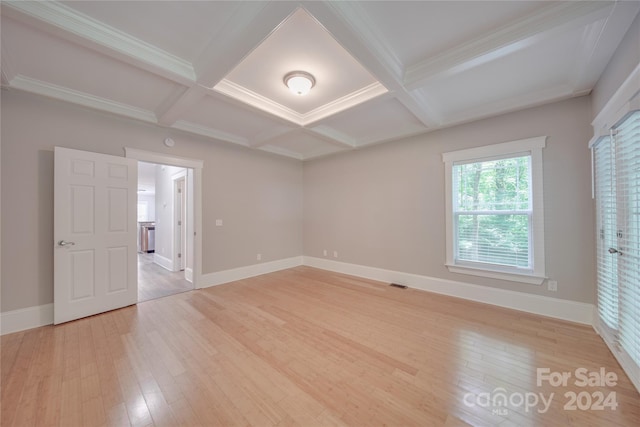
{"points": [[165, 219]]}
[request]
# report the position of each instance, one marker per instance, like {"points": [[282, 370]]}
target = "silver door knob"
{"points": [[65, 243], [614, 251]]}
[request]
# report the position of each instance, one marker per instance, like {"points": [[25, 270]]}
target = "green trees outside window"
{"points": [[493, 210]]}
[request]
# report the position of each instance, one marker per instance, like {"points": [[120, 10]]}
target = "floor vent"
{"points": [[395, 285]]}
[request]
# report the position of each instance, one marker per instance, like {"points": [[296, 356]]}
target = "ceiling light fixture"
{"points": [[299, 82]]}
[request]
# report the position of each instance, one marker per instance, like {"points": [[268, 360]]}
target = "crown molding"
{"points": [[359, 96], [356, 32], [505, 40], [246, 96], [625, 99], [209, 132], [65, 18], [38, 87]]}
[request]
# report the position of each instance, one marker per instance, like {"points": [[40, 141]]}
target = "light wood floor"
{"points": [[157, 282], [301, 347]]}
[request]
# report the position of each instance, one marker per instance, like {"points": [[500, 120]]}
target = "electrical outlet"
{"points": [[552, 285], [259, 257], [218, 223], [324, 252], [335, 254]]}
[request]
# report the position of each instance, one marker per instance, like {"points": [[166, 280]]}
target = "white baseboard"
{"points": [[26, 318], [628, 366], [32, 317], [163, 262], [226, 276], [188, 274], [552, 307]]}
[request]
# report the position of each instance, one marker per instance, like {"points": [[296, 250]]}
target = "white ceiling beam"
{"points": [[251, 23], [80, 98], [72, 25], [268, 136], [332, 136], [176, 106], [510, 38], [209, 132], [282, 152], [351, 26], [8, 72]]}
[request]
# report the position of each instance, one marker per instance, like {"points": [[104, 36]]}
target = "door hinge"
{"points": [[179, 190], [179, 222], [179, 255]]}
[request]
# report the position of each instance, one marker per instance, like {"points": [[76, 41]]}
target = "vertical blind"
{"points": [[617, 186]]}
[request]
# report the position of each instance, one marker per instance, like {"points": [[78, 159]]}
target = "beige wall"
{"points": [[623, 62], [383, 206], [258, 195]]}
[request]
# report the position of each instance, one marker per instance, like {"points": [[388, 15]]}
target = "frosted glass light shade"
{"points": [[299, 82]]}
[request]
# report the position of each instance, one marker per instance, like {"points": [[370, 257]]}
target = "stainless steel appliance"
{"points": [[147, 236]]}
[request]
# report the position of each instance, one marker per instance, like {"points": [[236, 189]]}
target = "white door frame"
{"points": [[196, 165], [179, 234]]}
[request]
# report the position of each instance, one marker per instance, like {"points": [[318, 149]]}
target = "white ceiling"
{"points": [[383, 70]]}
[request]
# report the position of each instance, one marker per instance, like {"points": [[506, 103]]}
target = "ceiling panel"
{"points": [[384, 70], [50, 59], [301, 43], [507, 77], [307, 146], [182, 28], [375, 121], [416, 30], [216, 113]]}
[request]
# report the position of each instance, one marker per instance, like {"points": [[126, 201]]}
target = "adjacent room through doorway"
{"points": [[165, 230]]}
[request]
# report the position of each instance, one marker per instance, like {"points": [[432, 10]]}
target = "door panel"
{"points": [[95, 267]]}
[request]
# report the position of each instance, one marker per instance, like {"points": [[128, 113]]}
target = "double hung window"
{"points": [[495, 222]]}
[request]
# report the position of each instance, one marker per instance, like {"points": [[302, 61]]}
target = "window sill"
{"points": [[494, 274]]}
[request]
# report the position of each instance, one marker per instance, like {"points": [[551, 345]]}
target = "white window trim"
{"points": [[533, 146]]}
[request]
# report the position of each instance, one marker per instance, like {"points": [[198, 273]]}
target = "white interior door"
{"points": [[95, 265]]}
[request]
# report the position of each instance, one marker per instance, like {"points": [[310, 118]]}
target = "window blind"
{"points": [[627, 173], [607, 265], [492, 212]]}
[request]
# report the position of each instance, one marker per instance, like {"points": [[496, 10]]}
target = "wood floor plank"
{"points": [[303, 347]]}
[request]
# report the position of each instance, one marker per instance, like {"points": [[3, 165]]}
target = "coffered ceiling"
{"points": [[384, 70]]}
